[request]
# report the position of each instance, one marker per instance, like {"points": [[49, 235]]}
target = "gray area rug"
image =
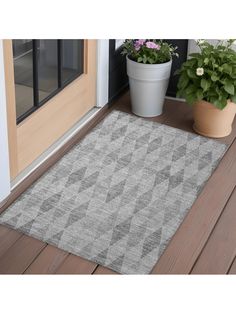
{"points": [[119, 195]]}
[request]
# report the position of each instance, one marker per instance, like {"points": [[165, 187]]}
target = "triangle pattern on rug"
{"points": [[118, 196]]}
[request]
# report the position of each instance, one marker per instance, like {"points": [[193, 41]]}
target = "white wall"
{"points": [[4, 155], [102, 72]]}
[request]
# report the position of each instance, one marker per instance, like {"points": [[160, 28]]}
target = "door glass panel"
{"points": [[42, 68], [47, 68], [72, 59], [23, 72]]}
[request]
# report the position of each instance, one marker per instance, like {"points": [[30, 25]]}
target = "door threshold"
{"points": [[54, 147], [42, 164]]}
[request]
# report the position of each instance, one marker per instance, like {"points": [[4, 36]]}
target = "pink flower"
{"points": [[138, 43], [152, 45]]}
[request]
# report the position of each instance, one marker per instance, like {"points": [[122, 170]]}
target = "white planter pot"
{"points": [[148, 85]]}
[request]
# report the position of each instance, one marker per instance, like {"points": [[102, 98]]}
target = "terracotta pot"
{"points": [[211, 121]]}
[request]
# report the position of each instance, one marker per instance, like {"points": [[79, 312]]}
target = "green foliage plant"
{"points": [[209, 75]]}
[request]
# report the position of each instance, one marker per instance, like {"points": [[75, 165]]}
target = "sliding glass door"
{"points": [[42, 68]]}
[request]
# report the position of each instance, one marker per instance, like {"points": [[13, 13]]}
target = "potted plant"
{"points": [[148, 67], [208, 82]]}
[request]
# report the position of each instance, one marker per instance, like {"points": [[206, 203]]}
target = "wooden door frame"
{"points": [[4, 155], [15, 132], [11, 106]]}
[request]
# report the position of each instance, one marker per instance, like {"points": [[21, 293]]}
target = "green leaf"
{"points": [[233, 98], [210, 72], [220, 103], [213, 99], [190, 89], [200, 63], [191, 73], [177, 72], [191, 98], [227, 68], [199, 94], [195, 55], [205, 84], [183, 81], [214, 77], [229, 88], [179, 94], [191, 62], [150, 60], [212, 93], [212, 60], [140, 59]]}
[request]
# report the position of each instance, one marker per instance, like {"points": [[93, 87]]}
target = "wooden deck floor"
{"points": [[205, 243]]}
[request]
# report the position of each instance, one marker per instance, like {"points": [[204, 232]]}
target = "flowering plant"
{"points": [[149, 51], [209, 75]]}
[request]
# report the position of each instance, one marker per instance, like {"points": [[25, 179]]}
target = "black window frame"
{"points": [[61, 85]]}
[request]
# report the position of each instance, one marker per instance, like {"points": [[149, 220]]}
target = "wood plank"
{"points": [[47, 261], [7, 238], [20, 255], [76, 265], [179, 114], [176, 114], [186, 245], [232, 270], [219, 252], [100, 270]]}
